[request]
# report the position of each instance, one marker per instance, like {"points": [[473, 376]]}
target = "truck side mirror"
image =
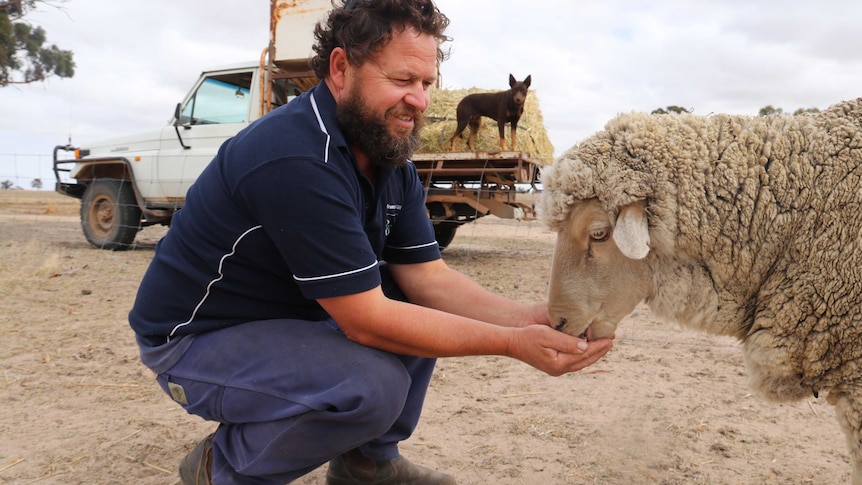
{"points": [[177, 125]]}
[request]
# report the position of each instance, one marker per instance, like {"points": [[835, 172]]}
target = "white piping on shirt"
{"points": [[418, 246], [330, 276], [322, 127], [214, 281]]}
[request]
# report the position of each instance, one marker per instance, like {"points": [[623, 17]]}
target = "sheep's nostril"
{"points": [[562, 324]]}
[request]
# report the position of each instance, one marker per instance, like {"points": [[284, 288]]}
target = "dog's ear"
{"points": [[512, 81], [527, 81]]}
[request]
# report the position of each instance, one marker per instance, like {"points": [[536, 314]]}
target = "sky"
{"points": [[589, 60]]}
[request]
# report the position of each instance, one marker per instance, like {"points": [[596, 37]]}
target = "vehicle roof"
{"points": [[237, 65]]}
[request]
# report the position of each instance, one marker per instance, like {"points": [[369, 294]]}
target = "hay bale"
{"points": [[532, 136]]}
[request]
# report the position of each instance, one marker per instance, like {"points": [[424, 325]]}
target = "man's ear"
{"points": [[631, 232], [338, 67]]}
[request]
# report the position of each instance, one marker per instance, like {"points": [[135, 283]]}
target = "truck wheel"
{"points": [[110, 216], [444, 233]]}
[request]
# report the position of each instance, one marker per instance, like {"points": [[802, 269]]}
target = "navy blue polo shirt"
{"points": [[280, 217]]}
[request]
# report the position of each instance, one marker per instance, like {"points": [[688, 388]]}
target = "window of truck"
{"points": [[219, 99]]}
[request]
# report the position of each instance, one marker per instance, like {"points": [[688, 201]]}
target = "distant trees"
{"points": [[23, 57], [764, 111], [671, 109], [769, 110], [801, 111], [10, 185]]}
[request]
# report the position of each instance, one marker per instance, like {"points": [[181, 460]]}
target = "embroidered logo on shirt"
{"points": [[392, 211]]}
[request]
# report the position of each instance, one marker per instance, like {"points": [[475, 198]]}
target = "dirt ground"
{"points": [[666, 406]]}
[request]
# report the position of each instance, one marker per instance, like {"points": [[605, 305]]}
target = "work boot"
{"points": [[196, 467], [353, 468]]}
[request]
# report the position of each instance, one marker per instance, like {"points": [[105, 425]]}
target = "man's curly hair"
{"points": [[362, 27]]}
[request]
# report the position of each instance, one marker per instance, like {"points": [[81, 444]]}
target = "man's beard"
{"points": [[370, 134]]}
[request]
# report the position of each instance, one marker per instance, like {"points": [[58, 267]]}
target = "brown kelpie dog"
{"points": [[504, 107]]}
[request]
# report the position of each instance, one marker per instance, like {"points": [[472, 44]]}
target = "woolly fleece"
{"points": [[761, 217]]}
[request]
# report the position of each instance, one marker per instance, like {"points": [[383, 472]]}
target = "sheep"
{"points": [[733, 225]]}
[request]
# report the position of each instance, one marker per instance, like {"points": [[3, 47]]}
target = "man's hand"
{"points": [[554, 352]]}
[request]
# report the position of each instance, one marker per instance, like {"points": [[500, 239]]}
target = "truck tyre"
{"points": [[110, 216], [444, 232]]}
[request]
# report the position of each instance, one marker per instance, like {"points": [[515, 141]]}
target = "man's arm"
{"points": [[372, 319], [435, 285]]}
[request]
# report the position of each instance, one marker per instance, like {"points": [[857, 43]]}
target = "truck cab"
{"points": [[128, 183]]}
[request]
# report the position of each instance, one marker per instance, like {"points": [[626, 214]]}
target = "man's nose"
{"points": [[418, 98]]}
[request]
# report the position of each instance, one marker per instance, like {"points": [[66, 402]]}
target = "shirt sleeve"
{"points": [[310, 210]]}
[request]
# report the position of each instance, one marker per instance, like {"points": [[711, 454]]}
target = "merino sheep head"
{"points": [[595, 197], [598, 274]]}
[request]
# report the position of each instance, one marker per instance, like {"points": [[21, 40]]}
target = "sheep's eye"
{"points": [[599, 234]]}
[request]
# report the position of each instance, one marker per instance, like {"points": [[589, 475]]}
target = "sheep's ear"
{"points": [[631, 232]]}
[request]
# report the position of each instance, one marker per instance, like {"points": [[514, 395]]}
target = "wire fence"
{"points": [[26, 171]]}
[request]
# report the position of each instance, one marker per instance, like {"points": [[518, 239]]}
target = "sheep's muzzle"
{"points": [[561, 324]]}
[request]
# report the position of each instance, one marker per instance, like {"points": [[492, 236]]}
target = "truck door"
{"points": [[218, 108]]}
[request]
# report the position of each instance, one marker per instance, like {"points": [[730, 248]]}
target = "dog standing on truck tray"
{"points": [[502, 107], [311, 336]]}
